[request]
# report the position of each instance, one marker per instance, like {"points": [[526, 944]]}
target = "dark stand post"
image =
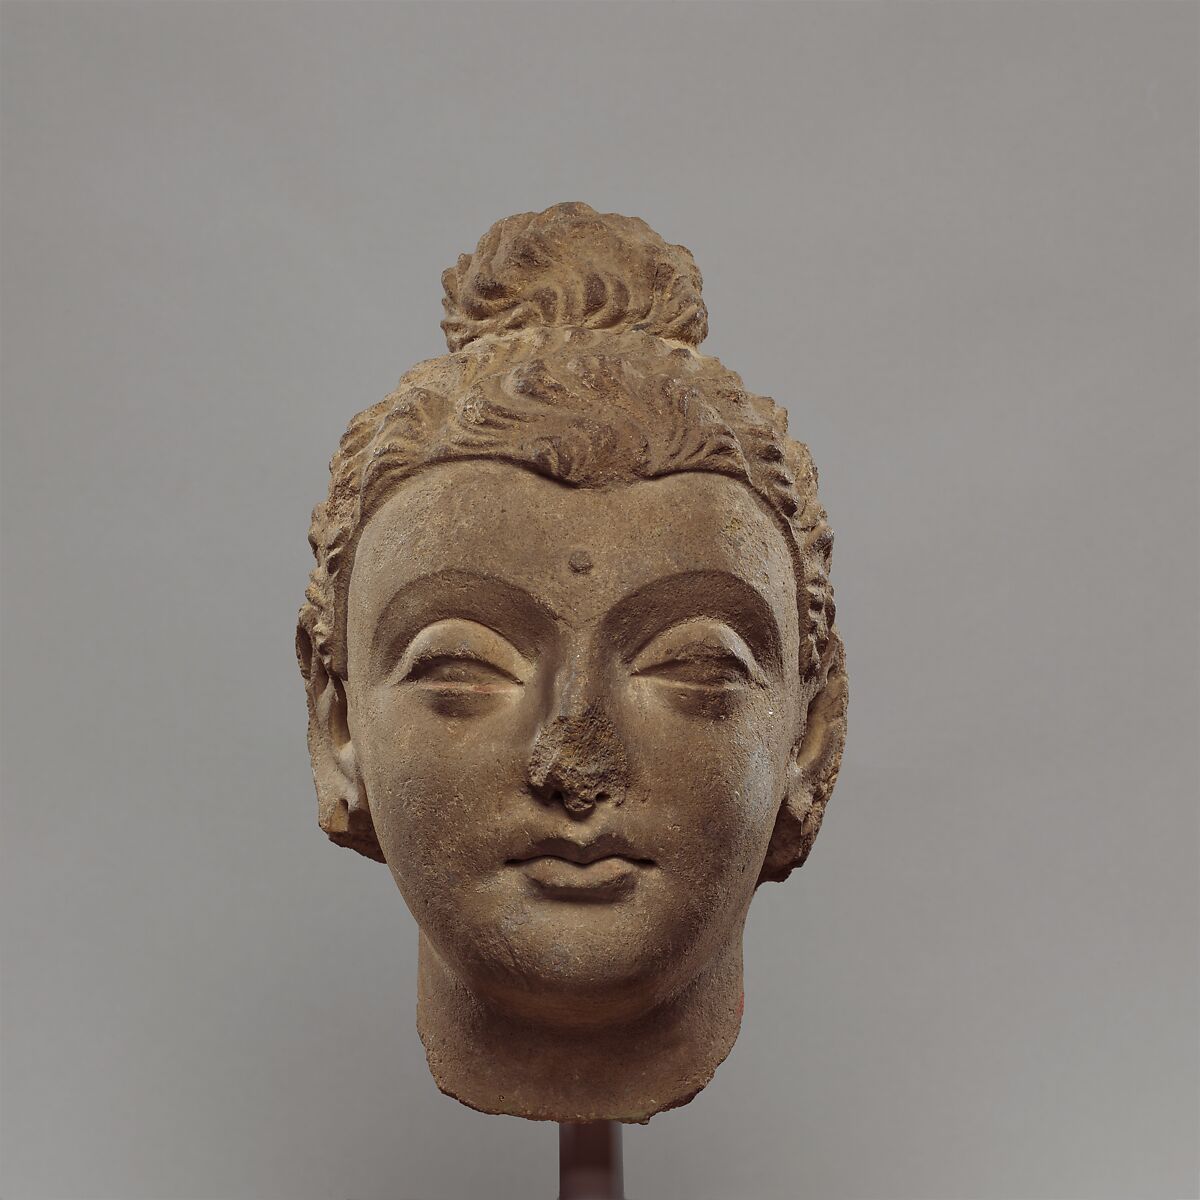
{"points": [[589, 1161]]}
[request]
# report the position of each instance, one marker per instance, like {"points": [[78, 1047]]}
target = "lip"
{"points": [[603, 869]]}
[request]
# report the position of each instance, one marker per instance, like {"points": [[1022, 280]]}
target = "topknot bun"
{"points": [[571, 265]]}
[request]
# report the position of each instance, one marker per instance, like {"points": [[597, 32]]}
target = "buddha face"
{"points": [[572, 713]]}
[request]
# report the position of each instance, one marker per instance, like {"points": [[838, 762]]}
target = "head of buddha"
{"points": [[572, 669]]}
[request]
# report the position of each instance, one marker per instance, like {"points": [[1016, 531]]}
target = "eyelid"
{"points": [[714, 640], [465, 641], [423, 663]]}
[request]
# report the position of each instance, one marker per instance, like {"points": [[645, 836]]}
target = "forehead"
{"points": [[578, 551]]}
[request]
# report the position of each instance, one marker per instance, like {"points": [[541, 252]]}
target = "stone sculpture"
{"points": [[572, 669]]}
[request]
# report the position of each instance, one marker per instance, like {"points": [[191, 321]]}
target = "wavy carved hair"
{"points": [[573, 341]]}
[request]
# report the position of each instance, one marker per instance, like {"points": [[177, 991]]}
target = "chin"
{"points": [[575, 964]]}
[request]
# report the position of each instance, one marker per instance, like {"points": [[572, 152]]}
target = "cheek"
{"points": [[438, 783], [713, 776]]}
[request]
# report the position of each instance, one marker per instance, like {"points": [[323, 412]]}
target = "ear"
{"points": [[342, 809], [812, 773]]}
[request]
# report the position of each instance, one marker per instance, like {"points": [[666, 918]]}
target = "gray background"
{"points": [[959, 241]]}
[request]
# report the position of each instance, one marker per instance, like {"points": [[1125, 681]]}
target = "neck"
{"points": [[497, 1063]]}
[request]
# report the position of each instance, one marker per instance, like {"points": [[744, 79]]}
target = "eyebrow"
{"points": [[658, 606], [501, 606]]}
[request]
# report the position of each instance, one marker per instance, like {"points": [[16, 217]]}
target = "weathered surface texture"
{"points": [[572, 669]]}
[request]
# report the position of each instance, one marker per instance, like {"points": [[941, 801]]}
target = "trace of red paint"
{"points": [[741, 1004]]}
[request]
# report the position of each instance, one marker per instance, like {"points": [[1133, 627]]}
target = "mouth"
{"points": [[604, 869]]}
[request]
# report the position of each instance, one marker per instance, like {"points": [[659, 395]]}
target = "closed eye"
{"points": [[456, 657], [700, 666], [461, 670]]}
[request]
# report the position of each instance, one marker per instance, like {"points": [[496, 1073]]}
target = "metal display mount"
{"points": [[589, 1161]]}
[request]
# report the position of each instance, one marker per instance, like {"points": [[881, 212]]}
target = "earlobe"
{"points": [[342, 808], [812, 773]]}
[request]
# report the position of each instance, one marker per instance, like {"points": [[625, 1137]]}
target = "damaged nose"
{"points": [[579, 762]]}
